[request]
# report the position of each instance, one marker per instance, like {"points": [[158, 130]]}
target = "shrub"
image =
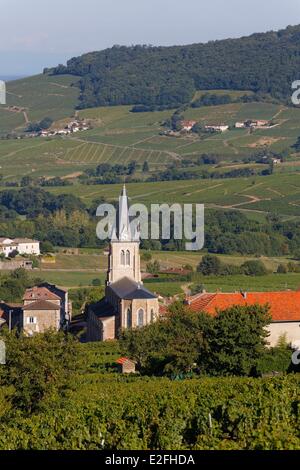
{"points": [[210, 265], [254, 268], [282, 269]]}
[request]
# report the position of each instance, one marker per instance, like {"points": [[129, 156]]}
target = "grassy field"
{"points": [[39, 96], [69, 279], [73, 271], [97, 261], [120, 136], [255, 195], [270, 282]]}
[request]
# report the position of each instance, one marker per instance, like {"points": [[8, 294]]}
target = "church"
{"points": [[127, 303]]}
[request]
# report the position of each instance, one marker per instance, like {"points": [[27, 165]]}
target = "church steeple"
{"points": [[124, 259], [124, 231]]}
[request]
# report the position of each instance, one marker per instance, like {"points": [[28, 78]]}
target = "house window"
{"points": [[128, 258], [129, 318], [123, 258], [140, 319], [31, 320]]}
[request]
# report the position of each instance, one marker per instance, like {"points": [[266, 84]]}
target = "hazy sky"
{"points": [[36, 34]]}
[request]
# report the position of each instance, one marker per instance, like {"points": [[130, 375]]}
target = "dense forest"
{"points": [[169, 76]]}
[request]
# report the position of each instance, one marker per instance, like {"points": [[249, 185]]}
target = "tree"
{"points": [[282, 269], [210, 265], [39, 368], [154, 267], [238, 340], [197, 289], [145, 167], [146, 256], [169, 346], [13, 254], [230, 343], [46, 123], [296, 146], [47, 247]]}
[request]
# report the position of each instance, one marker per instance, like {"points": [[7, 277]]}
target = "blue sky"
{"points": [[35, 34]]}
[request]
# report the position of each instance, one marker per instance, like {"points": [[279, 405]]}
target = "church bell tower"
{"points": [[124, 256]]}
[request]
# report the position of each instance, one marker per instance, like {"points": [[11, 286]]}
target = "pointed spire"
{"points": [[124, 232]]}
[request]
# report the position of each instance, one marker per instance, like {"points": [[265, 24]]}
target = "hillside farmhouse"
{"points": [[284, 310], [187, 125], [24, 246], [217, 127]]}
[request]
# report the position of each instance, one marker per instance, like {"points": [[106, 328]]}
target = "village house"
{"points": [[187, 125], [44, 307], [240, 125], [217, 127], [24, 246], [284, 309], [127, 303], [253, 124]]}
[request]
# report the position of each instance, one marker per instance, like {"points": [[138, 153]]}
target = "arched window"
{"points": [[128, 258], [152, 315], [129, 318], [140, 319], [123, 258]]}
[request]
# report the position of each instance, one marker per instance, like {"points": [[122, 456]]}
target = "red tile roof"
{"points": [[41, 305], [40, 293], [284, 306], [122, 360]]}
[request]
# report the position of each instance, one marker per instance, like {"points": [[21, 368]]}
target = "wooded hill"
{"points": [[169, 76]]}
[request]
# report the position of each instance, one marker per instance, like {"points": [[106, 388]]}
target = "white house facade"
{"points": [[24, 246]]}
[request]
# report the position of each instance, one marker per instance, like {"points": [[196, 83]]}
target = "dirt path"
{"points": [[278, 113], [227, 144], [253, 199], [26, 117], [59, 85], [276, 192], [204, 189], [143, 140]]}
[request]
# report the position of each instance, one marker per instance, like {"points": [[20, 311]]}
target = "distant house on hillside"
{"points": [[284, 309], [187, 125], [240, 125], [217, 127], [21, 245]]}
